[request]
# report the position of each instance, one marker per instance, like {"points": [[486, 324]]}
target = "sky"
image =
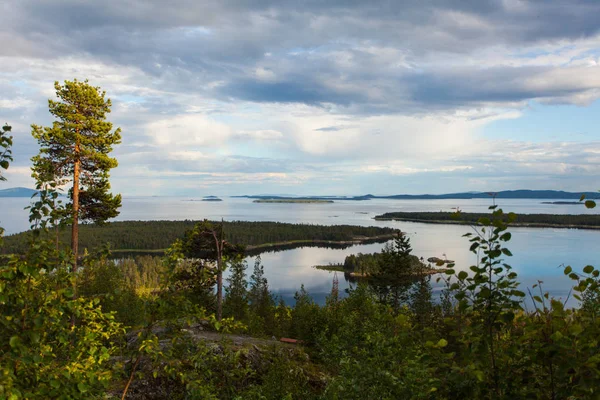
{"points": [[311, 97]]}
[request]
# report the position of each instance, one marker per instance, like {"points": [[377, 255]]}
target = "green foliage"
{"points": [[307, 321], [5, 157], [236, 293], [374, 353], [42, 353], [199, 370], [105, 281], [75, 149], [490, 295], [143, 273], [587, 203], [6, 141], [394, 276], [195, 278], [260, 302]]}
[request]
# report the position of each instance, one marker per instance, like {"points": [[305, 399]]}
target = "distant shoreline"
{"points": [[301, 201], [558, 221], [252, 250], [543, 195]]}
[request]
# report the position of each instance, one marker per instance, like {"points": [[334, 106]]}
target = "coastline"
{"points": [[287, 245], [512, 225], [554, 221]]}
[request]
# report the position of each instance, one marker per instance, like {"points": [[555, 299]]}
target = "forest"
{"points": [[87, 326], [582, 221], [159, 235]]}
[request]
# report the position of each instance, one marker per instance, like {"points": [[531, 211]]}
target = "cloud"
{"points": [[376, 57], [240, 92], [188, 129]]}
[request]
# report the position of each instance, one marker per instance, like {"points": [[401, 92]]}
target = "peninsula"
{"points": [[579, 221], [256, 237], [301, 201]]}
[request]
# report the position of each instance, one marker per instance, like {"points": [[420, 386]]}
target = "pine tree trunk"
{"points": [[75, 226], [219, 246]]}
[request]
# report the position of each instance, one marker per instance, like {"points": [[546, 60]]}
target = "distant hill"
{"points": [[505, 194], [17, 192]]}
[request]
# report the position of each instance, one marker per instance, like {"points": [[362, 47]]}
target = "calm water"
{"points": [[538, 253]]}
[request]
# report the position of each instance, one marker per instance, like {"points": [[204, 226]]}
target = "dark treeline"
{"points": [[153, 235], [267, 248], [590, 221]]}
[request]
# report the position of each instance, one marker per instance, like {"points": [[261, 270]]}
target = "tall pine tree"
{"points": [[75, 152]]}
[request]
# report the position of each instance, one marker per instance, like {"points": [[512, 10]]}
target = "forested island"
{"points": [[300, 201], [579, 221], [370, 266], [156, 236]]}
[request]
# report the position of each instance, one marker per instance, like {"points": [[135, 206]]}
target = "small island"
{"points": [[206, 198], [211, 198], [301, 201], [578, 203], [365, 266]]}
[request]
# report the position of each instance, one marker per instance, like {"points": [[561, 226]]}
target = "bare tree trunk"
{"points": [[219, 247], [219, 290]]}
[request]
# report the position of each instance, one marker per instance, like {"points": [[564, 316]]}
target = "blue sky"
{"points": [[340, 97]]}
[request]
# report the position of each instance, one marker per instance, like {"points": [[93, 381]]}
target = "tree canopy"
{"points": [[75, 150]]}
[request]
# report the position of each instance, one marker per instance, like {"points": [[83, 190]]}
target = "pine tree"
{"points": [[236, 292], [258, 284], [260, 299], [393, 280], [74, 151]]}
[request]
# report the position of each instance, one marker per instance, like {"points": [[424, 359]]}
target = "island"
{"points": [[211, 198], [579, 221], [301, 201], [365, 266], [577, 203]]}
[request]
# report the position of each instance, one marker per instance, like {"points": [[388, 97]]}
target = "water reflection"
{"points": [[539, 255]]}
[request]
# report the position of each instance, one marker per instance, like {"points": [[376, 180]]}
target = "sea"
{"points": [[539, 254]]}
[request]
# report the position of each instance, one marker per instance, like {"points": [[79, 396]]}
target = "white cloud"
{"points": [[188, 129], [254, 92], [264, 134]]}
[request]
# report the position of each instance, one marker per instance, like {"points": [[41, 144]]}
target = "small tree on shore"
{"points": [[74, 150]]}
